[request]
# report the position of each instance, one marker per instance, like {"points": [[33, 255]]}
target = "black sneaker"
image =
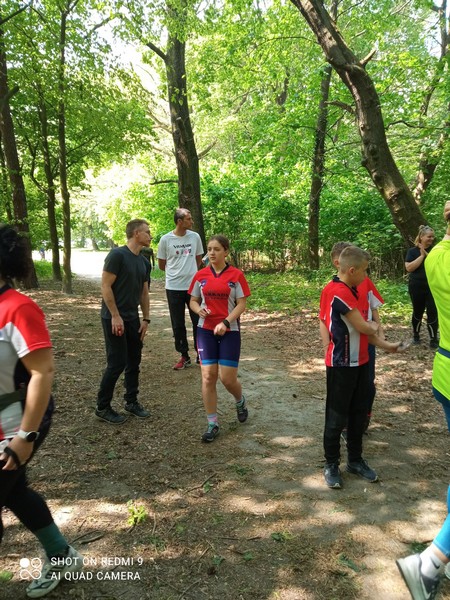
{"points": [[137, 410], [361, 468], [416, 340], [434, 344], [332, 476], [420, 587], [242, 411], [211, 433], [110, 416]]}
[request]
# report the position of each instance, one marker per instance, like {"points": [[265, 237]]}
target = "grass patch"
{"points": [[291, 292], [43, 269]]}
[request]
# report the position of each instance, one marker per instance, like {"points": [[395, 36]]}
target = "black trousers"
{"points": [[422, 300], [123, 353], [177, 301], [346, 405], [28, 506]]}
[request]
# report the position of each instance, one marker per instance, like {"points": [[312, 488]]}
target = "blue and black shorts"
{"points": [[213, 349]]}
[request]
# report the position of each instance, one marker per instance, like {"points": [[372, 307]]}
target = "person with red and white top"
{"points": [[369, 301], [26, 406], [219, 294], [346, 360]]}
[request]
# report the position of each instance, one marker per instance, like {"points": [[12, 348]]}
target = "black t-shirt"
{"points": [[131, 273], [148, 254], [419, 275]]}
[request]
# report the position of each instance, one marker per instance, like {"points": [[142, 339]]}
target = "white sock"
{"points": [[431, 564]]}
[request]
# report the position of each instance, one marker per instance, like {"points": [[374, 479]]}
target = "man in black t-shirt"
{"points": [[124, 287]]}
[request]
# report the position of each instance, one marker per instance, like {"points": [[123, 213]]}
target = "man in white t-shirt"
{"points": [[180, 254]]}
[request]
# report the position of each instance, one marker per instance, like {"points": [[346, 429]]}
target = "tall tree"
{"points": [[8, 140], [432, 152], [377, 156], [176, 17]]}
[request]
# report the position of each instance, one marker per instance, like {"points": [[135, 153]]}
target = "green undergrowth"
{"points": [[291, 292], [43, 269]]}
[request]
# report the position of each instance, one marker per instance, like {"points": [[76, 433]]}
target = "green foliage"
{"points": [[254, 76], [281, 536], [43, 269], [6, 576], [294, 292], [288, 293], [137, 513], [417, 547], [349, 563]]}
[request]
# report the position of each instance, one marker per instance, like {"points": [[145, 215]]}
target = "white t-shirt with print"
{"points": [[180, 254]]}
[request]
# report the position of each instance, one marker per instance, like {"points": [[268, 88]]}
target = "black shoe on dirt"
{"points": [[242, 411], [110, 416], [361, 468], [332, 476], [137, 410], [211, 433]]}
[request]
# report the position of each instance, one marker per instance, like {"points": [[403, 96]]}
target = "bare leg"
{"points": [[209, 388], [228, 376]]}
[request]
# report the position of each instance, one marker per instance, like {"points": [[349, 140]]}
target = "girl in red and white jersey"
{"points": [[218, 295]]}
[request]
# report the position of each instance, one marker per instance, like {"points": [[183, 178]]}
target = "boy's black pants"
{"points": [[346, 405]]}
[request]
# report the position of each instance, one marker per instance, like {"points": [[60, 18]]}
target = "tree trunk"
{"points": [[19, 201], [377, 157], [5, 192], [65, 196], [318, 169], [50, 192], [430, 158], [183, 137]]}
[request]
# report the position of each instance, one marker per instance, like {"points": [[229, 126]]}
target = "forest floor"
{"points": [[247, 517]]}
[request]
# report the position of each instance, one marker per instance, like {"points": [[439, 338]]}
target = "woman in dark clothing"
{"points": [[419, 290]]}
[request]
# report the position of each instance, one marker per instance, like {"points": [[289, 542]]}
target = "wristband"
{"points": [[146, 320], [226, 322]]}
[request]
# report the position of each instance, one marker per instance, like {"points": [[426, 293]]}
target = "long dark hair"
{"points": [[14, 260]]}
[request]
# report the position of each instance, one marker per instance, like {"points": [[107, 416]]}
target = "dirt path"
{"points": [[247, 517]]}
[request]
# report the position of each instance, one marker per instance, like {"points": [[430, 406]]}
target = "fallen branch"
{"points": [[94, 536], [196, 487], [188, 588]]}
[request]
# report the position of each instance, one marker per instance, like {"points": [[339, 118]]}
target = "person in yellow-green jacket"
{"points": [[422, 572], [437, 268]]}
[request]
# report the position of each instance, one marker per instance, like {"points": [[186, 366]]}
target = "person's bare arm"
{"points": [[108, 296], [40, 366], [415, 264], [195, 305], [324, 335], [362, 326], [382, 343], [145, 307], [199, 259], [162, 264], [376, 318], [447, 211], [234, 315]]}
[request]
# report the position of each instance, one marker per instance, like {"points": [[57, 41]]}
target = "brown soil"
{"points": [[247, 517]]}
